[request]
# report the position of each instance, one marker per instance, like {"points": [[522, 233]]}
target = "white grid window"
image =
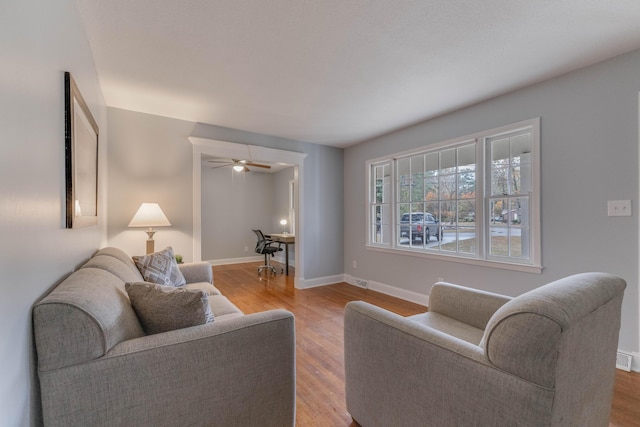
{"points": [[473, 198]]}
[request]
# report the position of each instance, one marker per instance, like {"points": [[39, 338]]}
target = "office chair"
{"points": [[264, 247]]}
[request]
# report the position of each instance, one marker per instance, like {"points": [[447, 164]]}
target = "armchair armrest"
{"points": [[467, 305], [197, 272], [239, 371]]}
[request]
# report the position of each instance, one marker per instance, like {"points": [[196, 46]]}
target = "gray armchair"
{"points": [[545, 358]]}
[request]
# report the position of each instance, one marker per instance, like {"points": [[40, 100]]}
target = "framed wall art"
{"points": [[81, 158]]}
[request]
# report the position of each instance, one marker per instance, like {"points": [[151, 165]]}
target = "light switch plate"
{"points": [[619, 208]]}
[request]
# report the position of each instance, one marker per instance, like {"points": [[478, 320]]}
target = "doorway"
{"points": [[211, 147]]}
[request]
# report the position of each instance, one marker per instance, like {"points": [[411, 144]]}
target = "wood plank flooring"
{"points": [[319, 341]]}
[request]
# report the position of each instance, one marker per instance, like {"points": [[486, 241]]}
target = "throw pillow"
{"points": [[165, 308], [160, 267]]}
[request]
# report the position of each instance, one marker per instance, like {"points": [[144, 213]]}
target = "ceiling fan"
{"points": [[238, 165]]}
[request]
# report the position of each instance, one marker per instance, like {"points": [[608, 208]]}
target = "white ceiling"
{"points": [[337, 72]]}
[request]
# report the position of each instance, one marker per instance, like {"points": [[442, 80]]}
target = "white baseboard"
{"points": [[320, 281], [635, 361], [393, 291], [257, 258]]}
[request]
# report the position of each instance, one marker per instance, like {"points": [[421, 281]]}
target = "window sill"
{"points": [[524, 268]]}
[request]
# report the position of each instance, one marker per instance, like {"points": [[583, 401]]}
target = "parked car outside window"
{"points": [[419, 226]]}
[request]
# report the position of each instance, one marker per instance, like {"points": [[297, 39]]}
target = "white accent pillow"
{"points": [[160, 267]]}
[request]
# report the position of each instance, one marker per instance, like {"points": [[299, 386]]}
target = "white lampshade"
{"points": [[149, 215]]}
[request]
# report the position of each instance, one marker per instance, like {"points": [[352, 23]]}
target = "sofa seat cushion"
{"points": [[449, 326], [203, 286], [166, 308], [223, 308]]}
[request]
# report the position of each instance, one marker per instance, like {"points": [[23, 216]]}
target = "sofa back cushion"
{"points": [[114, 266], [121, 255], [524, 335], [85, 315]]}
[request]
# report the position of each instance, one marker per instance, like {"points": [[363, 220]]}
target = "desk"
{"points": [[287, 239]]}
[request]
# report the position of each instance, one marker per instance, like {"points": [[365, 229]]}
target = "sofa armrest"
{"points": [[467, 305], [194, 272], [239, 371]]}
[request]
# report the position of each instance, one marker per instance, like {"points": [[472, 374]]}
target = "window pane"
{"points": [[466, 156], [497, 210], [467, 211], [379, 184], [499, 242], [448, 161], [467, 240], [417, 178], [431, 188], [514, 183], [447, 213], [521, 144], [499, 181], [467, 183], [448, 189], [431, 163], [386, 192], [382, 225], [499, 151]]}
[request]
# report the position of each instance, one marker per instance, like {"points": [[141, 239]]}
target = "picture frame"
{"points": [[81, 158]]}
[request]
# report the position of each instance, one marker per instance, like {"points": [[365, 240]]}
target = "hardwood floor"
{"points": [[319, 341]]}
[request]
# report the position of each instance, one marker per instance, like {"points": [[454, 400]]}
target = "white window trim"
{"points": [[481, 259]]}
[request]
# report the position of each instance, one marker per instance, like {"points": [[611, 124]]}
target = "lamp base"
{"points": [[150, 242]]}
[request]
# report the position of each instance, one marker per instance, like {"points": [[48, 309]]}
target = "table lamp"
{"points": [[283, 223], [149, 215]]}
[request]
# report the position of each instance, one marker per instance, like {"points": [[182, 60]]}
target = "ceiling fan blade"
{"points": [[258, 165], [220, 166], [220, 161]]}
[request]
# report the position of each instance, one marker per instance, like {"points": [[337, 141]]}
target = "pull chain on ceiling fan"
{"points": [[238, 165]]}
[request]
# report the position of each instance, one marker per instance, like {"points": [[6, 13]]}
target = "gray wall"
{"points": [[235, 203], [150, 160], [232, 205], [589, 148], [39, 40]]}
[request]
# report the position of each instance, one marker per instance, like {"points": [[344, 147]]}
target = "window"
{"points": [[473, 198], [381, 203]]}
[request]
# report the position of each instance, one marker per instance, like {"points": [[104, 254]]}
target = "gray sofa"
{"points": [[545, 358], [97, 367]]}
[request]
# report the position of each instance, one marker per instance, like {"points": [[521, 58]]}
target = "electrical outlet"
{"points": [[246, 248], [619, 208], [355, 264]]}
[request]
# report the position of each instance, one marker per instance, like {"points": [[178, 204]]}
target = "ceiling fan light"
{"points": [[238, 168]]}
